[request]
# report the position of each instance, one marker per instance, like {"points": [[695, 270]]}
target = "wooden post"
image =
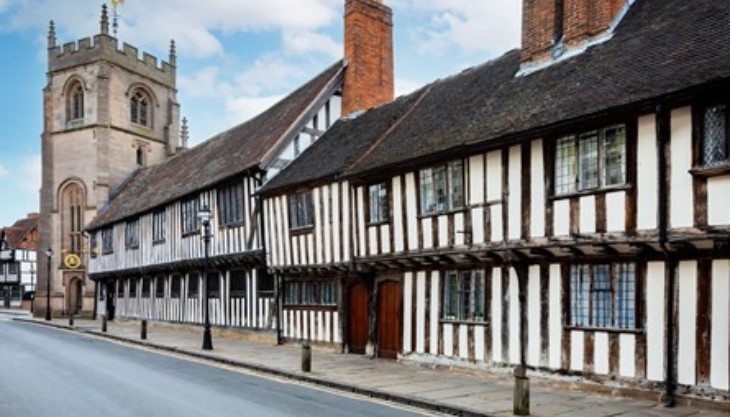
{"points": [[143, 330], [103, 323], [521, 392], [71, 320], [306, 357]]}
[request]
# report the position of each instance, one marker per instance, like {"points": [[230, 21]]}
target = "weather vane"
{"points": [[115, 25]]}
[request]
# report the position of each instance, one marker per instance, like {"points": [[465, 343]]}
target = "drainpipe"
{"points": [[663, 137]]}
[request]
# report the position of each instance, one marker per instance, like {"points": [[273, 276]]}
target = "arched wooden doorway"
{"points": [[74, 296], [357, 324], [390, 312]]}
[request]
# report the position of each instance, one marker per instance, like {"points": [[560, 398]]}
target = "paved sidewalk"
{"points": [[451, 392]]}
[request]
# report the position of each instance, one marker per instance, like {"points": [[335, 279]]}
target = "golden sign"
{"points": [[72, 261]]}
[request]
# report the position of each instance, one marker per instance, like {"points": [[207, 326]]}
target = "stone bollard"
{"points": [[521, 392], [71, 320], [306, 357], [103, 324], [143, 330]]}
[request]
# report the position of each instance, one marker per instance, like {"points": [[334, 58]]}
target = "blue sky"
{"points": [[235, 58]]}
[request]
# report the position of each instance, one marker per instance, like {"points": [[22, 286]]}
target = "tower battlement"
{"points": [[104, 47]]}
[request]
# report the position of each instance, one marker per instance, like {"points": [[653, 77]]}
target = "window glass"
{"points": [[565, 166], [160, 287], [107, 240], [238, 283], [131, 234], [603, 296], [588, 161], [714, 144], [463, 297], [614, 156], [442, 188], [190, 222], [158, 226], [378, 203], [214, 285], [230, 204], [300, 210], [193, 285], [175, 286]]}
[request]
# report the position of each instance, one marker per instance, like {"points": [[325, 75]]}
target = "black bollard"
{"points": [[143, 330], [71, 320], [103, 324], [521, 392], [306, 357]]}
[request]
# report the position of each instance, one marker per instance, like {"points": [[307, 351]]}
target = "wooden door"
{"points": [[358, 318], [389, 319]]}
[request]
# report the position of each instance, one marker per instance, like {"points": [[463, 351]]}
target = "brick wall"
{"points": [[369, 53]]}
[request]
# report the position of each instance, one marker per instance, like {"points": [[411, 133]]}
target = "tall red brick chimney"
{"points": [[369, 55], [566, 24]]}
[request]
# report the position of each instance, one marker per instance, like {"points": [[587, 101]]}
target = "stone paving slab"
{"points": [[456, 393]]}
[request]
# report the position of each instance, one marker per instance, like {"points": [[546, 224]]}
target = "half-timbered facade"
{"points": [[562, 209]]}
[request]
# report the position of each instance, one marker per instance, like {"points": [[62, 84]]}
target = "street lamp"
{"points": [[204, 217], [32, 285], [49, 254]]}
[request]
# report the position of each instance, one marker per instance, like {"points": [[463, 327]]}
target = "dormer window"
{"points": [[140, 108]]}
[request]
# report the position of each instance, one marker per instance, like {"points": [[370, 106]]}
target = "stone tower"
{"points": [[106, 112]]}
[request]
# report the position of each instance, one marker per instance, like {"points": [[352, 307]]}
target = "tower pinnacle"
{"points": [[51, 34], [104, 20]]}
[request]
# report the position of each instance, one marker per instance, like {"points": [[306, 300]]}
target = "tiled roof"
{"points": [[661, 48], [21, 229], [225, 155]]}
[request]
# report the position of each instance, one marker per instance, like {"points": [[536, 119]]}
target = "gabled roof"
{"points": [[20, 230], [661, 48], [226, 155]]}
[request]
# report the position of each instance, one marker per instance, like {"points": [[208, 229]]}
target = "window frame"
{"points": [[231, 205], [75, 104], [140, 108], [430, 195], [298, 201], [378, 211], [107, 240], [700, 166], [193, 291], [580, 167], [131, 234], [159, 226], [239, 277], [595, 307], [190, 224], [469, 285]]}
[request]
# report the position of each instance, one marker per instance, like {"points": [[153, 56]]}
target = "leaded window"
{"points": [[214, 285], [176, 286], [146, 287], [193, 285], [590, 160], [291, 293], [190, 222], [107, 240], [131, 234], [120, 288], [442, 188], [329, 293], [300, 210], [159, 219], [464, 295], [714, 135], [378, 203], [133, 288], [230, 204], [238, 283], [75, 104], [603, 295], [139, 108], [160, 287]]}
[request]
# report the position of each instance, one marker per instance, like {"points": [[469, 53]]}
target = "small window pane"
{"points": [[714, 146], [614, 156], [588, 161], [565, 166]]}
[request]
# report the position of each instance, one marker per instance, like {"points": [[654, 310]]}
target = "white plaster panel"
{"points": [[412, 214], [655, 312], [372, 232], [385, 238], [687, 350], [407, 308], [495, 218], [463, 341], [537, 190], [627, 355], [443, 222], [434, 319], [496, 323], [420, 311], [681, 201], [600, 353], [477, 225], [720, 343], [327, 224], [646, 196], [448, 339], [398, 215], [361, 221], [718, 200], [515, 192], [476, 179], [588, 214], [347, 220], [317, 244], [561, 217], [310, 245], [555, 318], [533, 316], [336, 232], [576, 350], [459, 229], [336, 325], [479, 343], [514, 318], [426, 226], [616, 211], [494, 176]]}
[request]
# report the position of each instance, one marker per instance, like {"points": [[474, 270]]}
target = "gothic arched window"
{"points": [[75, 103], [73, 202], [140, 108]]}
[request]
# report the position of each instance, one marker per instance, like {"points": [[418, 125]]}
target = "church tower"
{"points": [[106, 112]]}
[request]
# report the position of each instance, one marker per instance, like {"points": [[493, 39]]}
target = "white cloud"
{"points": [[405, 86], [243, 108], [472, 26], [29, 178], [206, 83], [306, 42]]}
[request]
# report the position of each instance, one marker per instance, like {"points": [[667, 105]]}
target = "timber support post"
{"points": [[521, 392], [306, 357], [71, 320], [103, 323], [143, 330]]}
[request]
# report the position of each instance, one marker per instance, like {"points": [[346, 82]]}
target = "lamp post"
{"points": [[204, 217], [32, 285], [49, 254]]}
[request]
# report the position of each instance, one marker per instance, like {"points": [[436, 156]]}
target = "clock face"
{"points": [[72, 261]]}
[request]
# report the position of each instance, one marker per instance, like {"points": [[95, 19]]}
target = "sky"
{"points": [[235, 58]]}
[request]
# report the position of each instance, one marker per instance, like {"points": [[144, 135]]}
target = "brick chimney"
{"points": [[369, 55], [552, 27]]}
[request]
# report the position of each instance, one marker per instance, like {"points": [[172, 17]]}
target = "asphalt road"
{"points": [[51, 373]]}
